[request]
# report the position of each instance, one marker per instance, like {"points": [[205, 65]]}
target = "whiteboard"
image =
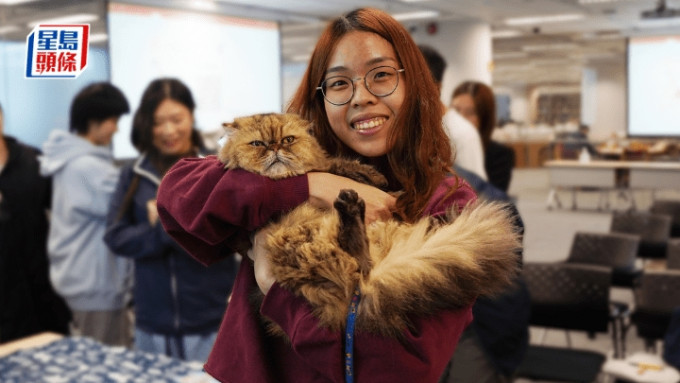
{"points": [[232, 65], [654, 86]]}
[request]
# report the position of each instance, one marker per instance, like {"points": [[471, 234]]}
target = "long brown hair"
{"points": [[485, 106], [420, 153]]}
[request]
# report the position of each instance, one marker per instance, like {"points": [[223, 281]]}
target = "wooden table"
{"points": [[529, 154], [606, 176], [28, 342]]}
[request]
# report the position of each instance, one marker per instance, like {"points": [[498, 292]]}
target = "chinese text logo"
{"points": [[57, 51]]}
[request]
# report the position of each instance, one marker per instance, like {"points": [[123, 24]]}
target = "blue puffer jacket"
{"points": [[173, 293]]}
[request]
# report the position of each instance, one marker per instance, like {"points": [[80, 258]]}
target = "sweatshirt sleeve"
{"points": [[98, 180], [202, 206], [130, 237]]}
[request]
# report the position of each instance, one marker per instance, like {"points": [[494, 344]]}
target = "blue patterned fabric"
{"points": [[79, 360]]}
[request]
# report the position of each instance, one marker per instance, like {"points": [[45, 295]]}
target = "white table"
{"points": [[606, 176]]}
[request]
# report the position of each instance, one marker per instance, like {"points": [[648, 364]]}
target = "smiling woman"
{"points": [[364, 96], [178, 302]]}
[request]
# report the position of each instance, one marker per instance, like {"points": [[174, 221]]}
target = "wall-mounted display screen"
{"points": [[231, 65], [654, 86]]}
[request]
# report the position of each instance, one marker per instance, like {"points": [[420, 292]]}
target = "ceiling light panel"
{"points": [[537, 20]]}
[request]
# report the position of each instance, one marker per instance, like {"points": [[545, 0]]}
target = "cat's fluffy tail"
{"points": [[426, 269]]}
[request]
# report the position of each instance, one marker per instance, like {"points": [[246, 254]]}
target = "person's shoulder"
{"points": [[21, 149], [453, 190], [500, 148], [455, 122], [92, 165]]}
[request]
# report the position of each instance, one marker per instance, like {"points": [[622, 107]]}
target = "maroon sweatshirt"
{"points": [[203, 206]]}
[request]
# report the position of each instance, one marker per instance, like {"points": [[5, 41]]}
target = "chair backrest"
{"points": [[673, 254], [658, 291], [672, 208], [568, 296], [615, 250], [651, 227]]}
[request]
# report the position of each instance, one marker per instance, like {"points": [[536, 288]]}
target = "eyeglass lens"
{"points": [[380, 81]]}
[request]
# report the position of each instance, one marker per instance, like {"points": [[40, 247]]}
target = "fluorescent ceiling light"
{"points": [[415, 15], [658, 23], [509, 55], [70, 19], [544, 19], [204, 5], [7, 29], [598, 1], [548, 47], [98, 37], [14, 2], [505, 33]]}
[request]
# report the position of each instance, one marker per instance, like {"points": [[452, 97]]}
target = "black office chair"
{"points": [[569, 297], [618, 252], [673, 254], [672, 208], [615, 250], [657, 295], [654, 231]]}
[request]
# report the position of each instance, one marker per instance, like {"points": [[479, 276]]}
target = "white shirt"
{"points": [[465, 143]]}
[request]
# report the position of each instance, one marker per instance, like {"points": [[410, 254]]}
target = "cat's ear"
{"points": [[310, 129], [230, 127]]}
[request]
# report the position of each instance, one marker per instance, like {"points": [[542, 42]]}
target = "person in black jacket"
{"points": [[178, 302], [492, 348], [476, 102], [28, 302]]}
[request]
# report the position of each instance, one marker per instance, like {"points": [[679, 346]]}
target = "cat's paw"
{"points": [[349, 205]]}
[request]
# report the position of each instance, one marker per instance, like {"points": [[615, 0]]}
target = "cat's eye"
{"points": [[257, 143], [288, 140]]}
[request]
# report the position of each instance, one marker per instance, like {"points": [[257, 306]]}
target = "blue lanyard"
{"points": [[349, 336]]}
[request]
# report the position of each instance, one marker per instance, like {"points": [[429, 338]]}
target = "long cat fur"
{"points": [[401, 269]]}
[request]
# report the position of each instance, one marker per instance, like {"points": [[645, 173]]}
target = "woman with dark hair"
{"points": [[366, 96], [178, 302], [476, 102]]}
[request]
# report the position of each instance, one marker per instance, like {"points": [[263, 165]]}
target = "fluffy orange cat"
{"points": [[402, 269]]}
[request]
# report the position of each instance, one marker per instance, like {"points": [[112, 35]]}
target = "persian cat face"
{"points": [[272, 145]]}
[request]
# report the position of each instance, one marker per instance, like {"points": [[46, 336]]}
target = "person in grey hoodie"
{"points": [[93, 281]]}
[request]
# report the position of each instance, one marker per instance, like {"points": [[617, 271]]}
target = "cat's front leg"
{"points": [[352, 231]]}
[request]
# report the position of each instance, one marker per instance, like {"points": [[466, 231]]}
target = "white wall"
{"points": [[466, 47], [610, 101]]}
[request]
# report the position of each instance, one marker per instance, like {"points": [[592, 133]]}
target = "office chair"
{"points": [[657, 295], [615, 250], [569, 297], [654, 231], [673, 254], [672, 208]]}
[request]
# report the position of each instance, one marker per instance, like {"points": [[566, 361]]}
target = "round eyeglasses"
{"points": [[380, 81]]}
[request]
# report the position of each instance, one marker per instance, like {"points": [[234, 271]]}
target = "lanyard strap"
{"points": [[349, 336]]}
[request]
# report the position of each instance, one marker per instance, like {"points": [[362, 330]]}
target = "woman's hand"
{"points": [[152, 211], [263, 273], [325, 187]]}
